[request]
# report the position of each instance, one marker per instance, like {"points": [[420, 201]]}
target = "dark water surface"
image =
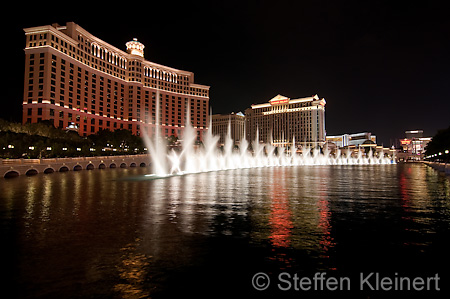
{"points": [[111, 234]]}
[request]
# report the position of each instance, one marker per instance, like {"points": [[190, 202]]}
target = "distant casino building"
{"points": [[234, 122], [349, 140], [74, 79], [282, 119], [414, 144]]}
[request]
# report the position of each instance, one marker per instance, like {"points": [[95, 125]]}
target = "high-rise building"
{"points": [[233, 124], [75, 79], [282, 119]]}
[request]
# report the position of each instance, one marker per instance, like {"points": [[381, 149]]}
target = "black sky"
{"points": [[382, 66]]}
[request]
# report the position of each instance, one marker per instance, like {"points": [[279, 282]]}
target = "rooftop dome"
{"points": [[135, 48]]}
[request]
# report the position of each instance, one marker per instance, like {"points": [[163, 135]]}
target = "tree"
{"points": [[32, 140], [439, 144]]}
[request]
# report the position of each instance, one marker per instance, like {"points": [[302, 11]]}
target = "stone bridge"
{"points": [[14, 167]]}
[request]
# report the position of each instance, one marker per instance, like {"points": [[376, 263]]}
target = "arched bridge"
{"points": [[15, 167]]}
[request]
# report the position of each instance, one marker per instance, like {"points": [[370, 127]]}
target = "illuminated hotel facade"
{"points": [[75, 79], [282, 119], [414, 144]]}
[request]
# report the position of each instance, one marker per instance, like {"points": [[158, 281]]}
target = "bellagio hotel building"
{"points": [[74, 79]]}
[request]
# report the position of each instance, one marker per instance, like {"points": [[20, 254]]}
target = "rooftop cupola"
{"points": [[135, 48]]}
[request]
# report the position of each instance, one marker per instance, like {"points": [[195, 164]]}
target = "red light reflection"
{"points": [[403, 182], [280, 216], [327, 241]]}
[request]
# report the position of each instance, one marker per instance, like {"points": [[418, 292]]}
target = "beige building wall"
{"points": [[221, 123], [282, 119]]}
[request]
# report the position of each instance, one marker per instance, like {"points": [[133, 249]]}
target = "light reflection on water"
{"points": [[121, 236]]}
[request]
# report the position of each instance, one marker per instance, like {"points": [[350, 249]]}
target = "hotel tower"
{"points": [[76, 80], [282, 119]]}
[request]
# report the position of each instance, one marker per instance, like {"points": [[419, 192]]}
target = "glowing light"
{"points": [[279, 99], [405, 141], [277, 102]]}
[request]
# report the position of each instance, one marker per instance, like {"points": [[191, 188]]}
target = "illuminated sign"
{"points": [[277, 102], [405, 142], [279, 99]]}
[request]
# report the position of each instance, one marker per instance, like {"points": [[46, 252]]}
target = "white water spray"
{"points": [[209, 157]]}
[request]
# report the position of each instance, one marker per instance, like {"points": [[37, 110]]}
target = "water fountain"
{"points": [[209, 157]]}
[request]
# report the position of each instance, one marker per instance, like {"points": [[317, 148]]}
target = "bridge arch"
{"points": [[112, 165], [90, 166], [63, 168], [31, 172], [132, 164], [142, 164], [123, 165], [77, 167], [101, 166], [11, 174], [49, 170]]}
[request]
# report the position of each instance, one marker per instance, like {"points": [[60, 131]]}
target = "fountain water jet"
{"points": [[209, 157]]}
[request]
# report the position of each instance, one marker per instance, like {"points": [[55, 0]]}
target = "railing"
{"points": [[444, 167], [73, 159]]}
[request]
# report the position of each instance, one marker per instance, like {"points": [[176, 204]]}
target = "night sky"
{"points": [[382, 66]]}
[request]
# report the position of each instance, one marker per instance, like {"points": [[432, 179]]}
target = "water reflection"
{"points": [[280, 217], [327, 240], [132, 238], [133, 268]]}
